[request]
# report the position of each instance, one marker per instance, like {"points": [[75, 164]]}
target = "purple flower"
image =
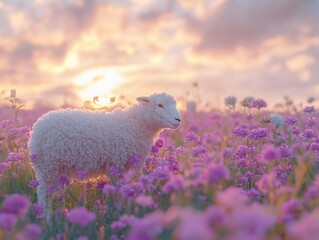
{"points": [[88, 185], [309, 133], [216, 172], [313, 191], [134, 160], [127, 219], [193, 225], [253, 221], [246, 102], [108, 189], [295, 130], [33, 156], [192, 137], [33, 183], [267, 183], [269, 154], [81, 175], [60, 236], [128, 191], [232, 197], [243, 151], [285, 151], [160, 173], [314, 146], [210, 139], [7, 221], [306, 227], [198, 150], [30, 232], [145, 201], [240, 131], [173, 164], [309, 109], [176, 182], [100, 185], [117, 225], [193, 128], [258, 133], [154, 149], [258, 103], [159, 143], [291, 206], [311, 122], [82, 238], [63, 181], [113, 170], [81, 216], [253, 194], [6, 123], [147, 228], [4, 166], [16, 204], [38, 210], [291, 120], [15, 157], [216, 215]]}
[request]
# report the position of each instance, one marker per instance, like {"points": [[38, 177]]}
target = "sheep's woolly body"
{"points": [[73, 140], [66, 141]]}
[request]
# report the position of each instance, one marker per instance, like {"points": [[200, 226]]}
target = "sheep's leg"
{"points": [[44, 199]]}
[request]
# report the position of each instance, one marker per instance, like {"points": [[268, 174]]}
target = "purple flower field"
{"points": [[245, 173]]}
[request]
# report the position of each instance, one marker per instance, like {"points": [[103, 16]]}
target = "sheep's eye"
{"points": [[160, 105]]}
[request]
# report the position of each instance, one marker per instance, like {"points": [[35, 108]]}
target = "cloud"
{"points": [[61, 95], [254, 31], [299, 64], [227, 46]]}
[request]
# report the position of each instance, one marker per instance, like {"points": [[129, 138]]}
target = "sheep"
{"points": [[66, 141]]}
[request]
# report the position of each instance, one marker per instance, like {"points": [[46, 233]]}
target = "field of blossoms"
{"points": [[244, 173]]}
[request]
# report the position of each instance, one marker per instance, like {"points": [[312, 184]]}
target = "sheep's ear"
{"points": [[143, 99]]}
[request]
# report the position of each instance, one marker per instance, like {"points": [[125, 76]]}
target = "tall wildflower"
{"points": [[257, 103], [246, 102], [231, 102]]}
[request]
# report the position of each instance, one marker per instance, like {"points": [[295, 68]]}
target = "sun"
{"points": [[98, 82]]}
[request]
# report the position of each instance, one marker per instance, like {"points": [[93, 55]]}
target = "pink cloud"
{"points": [[225, 45]]}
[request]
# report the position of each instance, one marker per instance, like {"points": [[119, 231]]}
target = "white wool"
{"points": [[66, 141]]}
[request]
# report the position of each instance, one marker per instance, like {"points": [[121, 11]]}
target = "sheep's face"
{"points": [[167, 115]]}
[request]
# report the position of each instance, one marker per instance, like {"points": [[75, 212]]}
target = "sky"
{"points": [[68, 51]]}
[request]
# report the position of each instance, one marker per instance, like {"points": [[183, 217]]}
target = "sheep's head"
{"points": [[164, 109]]}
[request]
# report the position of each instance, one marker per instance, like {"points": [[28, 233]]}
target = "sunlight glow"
{"points": [[99, 82]]}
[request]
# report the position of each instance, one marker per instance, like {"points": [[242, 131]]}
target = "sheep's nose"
{"points": [[177, 119]]}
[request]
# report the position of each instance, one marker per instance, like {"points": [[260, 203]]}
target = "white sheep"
{"points": [[66, 141]]}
